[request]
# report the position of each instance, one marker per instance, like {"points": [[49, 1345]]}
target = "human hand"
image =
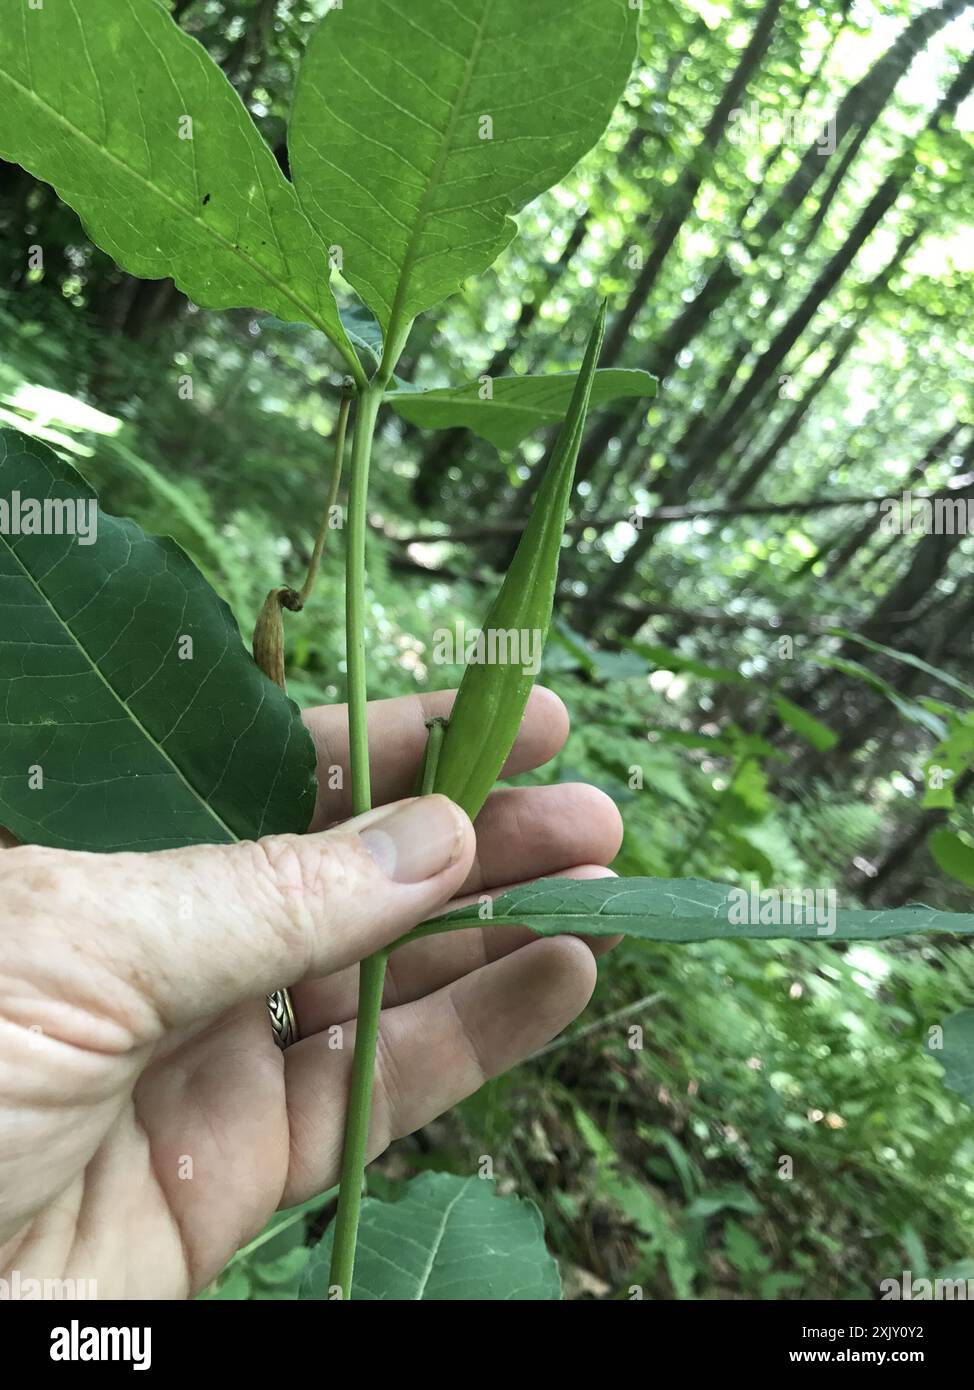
{"points": [[149, 1125]]}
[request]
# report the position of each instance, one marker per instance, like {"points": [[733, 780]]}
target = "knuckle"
{"points": [[390, 1112], [299, 877], [471, 1045]]}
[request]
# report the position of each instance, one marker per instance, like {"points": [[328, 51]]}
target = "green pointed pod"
{"points": [[491, 700]]}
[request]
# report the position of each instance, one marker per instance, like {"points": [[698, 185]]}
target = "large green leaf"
{"points": [[388, 139], [683, 910], [953, 855], [98, 97], [131, 714], [515, 405], [957, 1054], [448, 1238]]}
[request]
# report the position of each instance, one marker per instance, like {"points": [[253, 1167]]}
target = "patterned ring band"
{"points": [[283, 1021]]}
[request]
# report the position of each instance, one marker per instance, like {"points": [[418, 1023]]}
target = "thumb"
{"points": [[175, 937]]}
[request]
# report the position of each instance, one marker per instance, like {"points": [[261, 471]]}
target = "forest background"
{"points": [[771, 679]]}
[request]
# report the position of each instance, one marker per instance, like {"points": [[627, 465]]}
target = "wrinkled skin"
{"points": [[149, 1126]]}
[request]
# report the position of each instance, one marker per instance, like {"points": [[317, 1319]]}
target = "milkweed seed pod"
{"points": [[491, 700]]}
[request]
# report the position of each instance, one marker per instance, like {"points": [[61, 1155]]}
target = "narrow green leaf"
{"points": [[953, 855], [907, 659], [132, 717], [812, 730], [419, 128], [686, 910], [911, 711], [135, 126], [448, 1238], [515, 405], [666, 659], [491, 700], [956, 1056]]}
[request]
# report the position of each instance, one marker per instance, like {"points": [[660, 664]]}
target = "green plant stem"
{"points": [[268, 644], [335, 483], [372, 975], [371, 981], [368, 411], [426, 781], [372, 971]]}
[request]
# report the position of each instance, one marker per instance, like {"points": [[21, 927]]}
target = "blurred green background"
{"points": [[780, 218]]}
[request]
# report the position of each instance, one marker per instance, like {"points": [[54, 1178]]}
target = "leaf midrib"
{"points": [[423, 211], [438, 1240], [544, 414], [307, 314], [523, 913], [149, 736]]}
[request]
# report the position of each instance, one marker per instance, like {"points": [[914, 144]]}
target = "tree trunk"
{"points": [[842, 557], [910, 841], [828, 278], [860, 108], [901, 606], [680, 202], [786, 431], [789, 427]]}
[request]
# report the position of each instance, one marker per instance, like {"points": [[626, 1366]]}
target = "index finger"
{"points": [[397, 738]]}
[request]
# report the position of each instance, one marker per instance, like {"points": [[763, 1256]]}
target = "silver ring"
{"points": [[283, 1020]]}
